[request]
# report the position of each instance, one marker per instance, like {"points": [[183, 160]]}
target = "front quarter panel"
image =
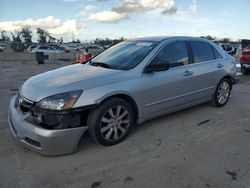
{"points": [[96, 95]]}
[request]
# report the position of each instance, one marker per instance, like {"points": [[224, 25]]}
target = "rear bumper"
{"points": [[44, 141]]}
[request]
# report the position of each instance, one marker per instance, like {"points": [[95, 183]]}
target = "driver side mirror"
{"points": [[156, 66]]}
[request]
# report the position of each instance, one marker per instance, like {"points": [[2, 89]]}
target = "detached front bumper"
{"points": [[44, 141]]}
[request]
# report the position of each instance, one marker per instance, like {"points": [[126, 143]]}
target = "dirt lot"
{"points": [[200, 147]]}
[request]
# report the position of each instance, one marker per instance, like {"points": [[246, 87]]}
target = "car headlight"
{"points": [[60, 101]]}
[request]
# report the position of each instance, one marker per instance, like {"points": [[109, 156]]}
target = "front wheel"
{"points": [[222, 92], [110, 123]]}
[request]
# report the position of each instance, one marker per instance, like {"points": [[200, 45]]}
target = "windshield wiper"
{"points": [[101, 64]]}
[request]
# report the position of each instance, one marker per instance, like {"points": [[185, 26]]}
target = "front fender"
{"points": [[95, 96]]}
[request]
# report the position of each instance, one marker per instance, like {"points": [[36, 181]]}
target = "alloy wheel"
{"points": [[223, 92], [114, 123]]}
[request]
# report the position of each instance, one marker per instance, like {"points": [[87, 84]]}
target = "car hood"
{"points": [[73, 77]]}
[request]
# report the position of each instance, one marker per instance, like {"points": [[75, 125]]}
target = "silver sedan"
{"points": [[127, 84]]}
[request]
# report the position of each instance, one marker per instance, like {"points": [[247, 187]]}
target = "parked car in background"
{"points": [[230, 49], [46, 50], [94, 47], [245, 43], [70, 48], [31, 47], [128, 83], [226, 47], [82, 56], [245, 60], [59, 47], [2, 47]]}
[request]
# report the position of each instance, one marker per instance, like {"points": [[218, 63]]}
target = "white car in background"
{"points": [[2, 47], [46, 50], [71, 48]]}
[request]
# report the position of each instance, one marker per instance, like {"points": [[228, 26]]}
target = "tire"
{"points": [[222, 92], [244, 70], [111, 122]]}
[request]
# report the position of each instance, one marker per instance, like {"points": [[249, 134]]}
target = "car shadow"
{"points": [[86, 141]]}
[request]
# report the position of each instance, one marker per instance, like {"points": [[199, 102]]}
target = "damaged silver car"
{"points": [[129, 83]]}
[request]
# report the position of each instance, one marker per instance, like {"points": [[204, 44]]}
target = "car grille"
{"points": [[23, 104]]}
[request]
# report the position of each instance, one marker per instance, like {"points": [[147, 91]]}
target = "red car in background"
{"points": [[245, 60]]}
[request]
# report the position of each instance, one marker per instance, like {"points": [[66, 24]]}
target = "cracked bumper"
{"points": [[44, 141]]}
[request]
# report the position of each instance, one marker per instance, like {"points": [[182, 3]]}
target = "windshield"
{"points": [[123, 56]]}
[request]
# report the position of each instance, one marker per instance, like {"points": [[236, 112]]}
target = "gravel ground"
{"points": [[202, 146]]}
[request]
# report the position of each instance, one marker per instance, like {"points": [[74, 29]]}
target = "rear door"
{"points": [[207, 67]]}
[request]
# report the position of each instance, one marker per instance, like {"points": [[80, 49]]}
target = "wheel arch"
{"points": [[125, 97], [230, 78]]}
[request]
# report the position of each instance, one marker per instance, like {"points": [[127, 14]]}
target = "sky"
{"points": [[89, 19]]}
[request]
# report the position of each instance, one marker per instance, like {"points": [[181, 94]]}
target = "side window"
{"points": [[202, 51], [217, 55], [175, 54], [42, 48]]}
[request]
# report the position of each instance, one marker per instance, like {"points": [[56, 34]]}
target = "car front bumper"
{"points": [[44, 141]]}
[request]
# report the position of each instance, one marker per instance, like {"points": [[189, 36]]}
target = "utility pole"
{"points": [[73, 37]]}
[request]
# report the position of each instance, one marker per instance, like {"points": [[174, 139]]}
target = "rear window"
{"points": [[202, 51]]}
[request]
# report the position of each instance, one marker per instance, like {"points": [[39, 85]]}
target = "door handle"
{"points": [[188, 73], [219, 65]]}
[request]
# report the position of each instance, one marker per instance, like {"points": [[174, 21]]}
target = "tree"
{"points": [[26, 34], [16, 38], [42, 35], [51, 39], [107, 41], [208, 37], [4, 37], [61, 40], [116, 41], [225, 40]]}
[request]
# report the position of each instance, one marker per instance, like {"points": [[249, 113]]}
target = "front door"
{"points": [[165, 90]]}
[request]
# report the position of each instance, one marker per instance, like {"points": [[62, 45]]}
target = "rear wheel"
{"points": [[111, 122], [222, 92]]}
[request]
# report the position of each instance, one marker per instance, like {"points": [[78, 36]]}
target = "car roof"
{"points": [[162, 38]]}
